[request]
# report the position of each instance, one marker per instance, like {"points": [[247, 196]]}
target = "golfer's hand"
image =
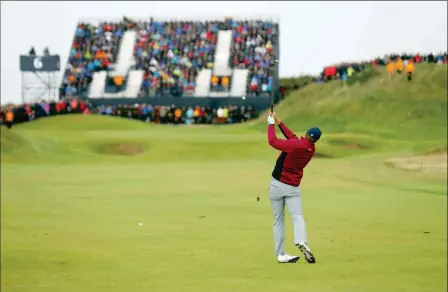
{"points": [[271, 120], [276, 119]]}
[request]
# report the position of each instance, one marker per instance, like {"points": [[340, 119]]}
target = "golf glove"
{"points": [[271, 120]]}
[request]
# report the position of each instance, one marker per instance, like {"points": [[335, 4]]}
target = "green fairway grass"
{"points": [[75, 188]]}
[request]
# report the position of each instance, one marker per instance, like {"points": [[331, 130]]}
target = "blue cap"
{"points": [[314, 133]]}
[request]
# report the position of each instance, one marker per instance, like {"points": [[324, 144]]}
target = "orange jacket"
{"points": [[9, 116], [410, 67], [390, 67], [225, 81], [399, 64], [178, 113]]}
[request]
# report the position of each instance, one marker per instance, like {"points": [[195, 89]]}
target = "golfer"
{"points": [[284, 188]]}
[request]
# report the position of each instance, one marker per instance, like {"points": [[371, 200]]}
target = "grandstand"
{"points": [[129, 60]]}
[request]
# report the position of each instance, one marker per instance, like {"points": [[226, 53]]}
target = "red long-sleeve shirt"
{"points": [[296, 154]]}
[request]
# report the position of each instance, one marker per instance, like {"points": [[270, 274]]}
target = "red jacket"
{"points": [[295, 156], [418, 59], [333, 71]]}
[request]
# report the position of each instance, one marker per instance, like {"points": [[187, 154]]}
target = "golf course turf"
{"points": [[75, 188]]}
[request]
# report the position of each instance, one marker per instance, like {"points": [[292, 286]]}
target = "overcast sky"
{"points": [[312, 34]]}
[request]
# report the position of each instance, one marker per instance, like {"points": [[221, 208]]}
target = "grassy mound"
{"points": [[84, 122], [374, 115], [383, 107], [10, 141]]}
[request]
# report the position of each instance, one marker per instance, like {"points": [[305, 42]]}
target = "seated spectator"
{"points": [[171, 53], [214, 82], [118, 81], [225, 83]]}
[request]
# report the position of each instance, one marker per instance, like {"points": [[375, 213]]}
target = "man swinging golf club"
{"points": [[284, 188]]}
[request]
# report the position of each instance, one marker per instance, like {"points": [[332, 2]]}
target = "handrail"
{"points": [[207, 17]]}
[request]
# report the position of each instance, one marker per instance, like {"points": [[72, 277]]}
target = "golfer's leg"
{"points": [[278, 209], [294, 204]]}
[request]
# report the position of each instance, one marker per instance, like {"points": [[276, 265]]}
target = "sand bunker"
{"points": [[322, 155], [121, 149], [347, 144], [433, 162]]}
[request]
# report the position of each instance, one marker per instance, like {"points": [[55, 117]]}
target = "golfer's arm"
{"points": [[286, 132], [280, 144]]}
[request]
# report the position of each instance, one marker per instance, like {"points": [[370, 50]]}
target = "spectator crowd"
{"points": [[393, 62], [172, 53], [10, 115], [181, 115]]}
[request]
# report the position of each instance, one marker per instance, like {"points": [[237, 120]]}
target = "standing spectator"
{"points": [[163, 114], [418, 58], [225, 114], [247, 113], [189, 114], [156, 115], [390, 68], [32, 52], [177, 116], [208, 115], [2, 116], [350, 71], [197, 114], [231, 114], [399, 65], [409, 69], [244, 116], [219, 114], [28, 110], [333, 71], [9, 118], [343, 73], [74, 105]]}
